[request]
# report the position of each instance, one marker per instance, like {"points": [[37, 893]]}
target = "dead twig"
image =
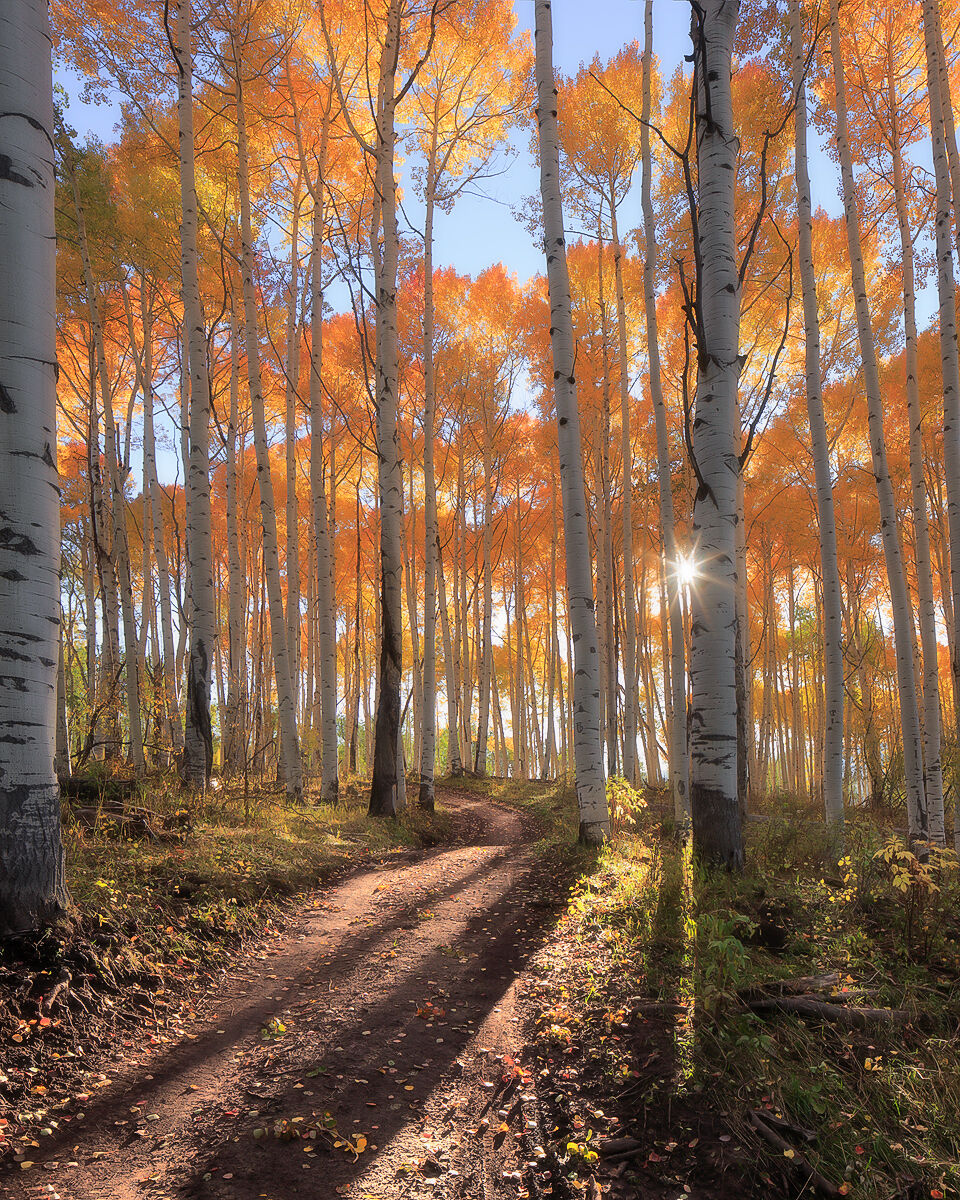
{"points": [[794, 1157]]}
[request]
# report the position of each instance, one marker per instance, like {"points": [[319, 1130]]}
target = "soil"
{"points": [[368, 1051], [389, 1044]]}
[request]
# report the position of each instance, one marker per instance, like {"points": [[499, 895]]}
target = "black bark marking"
{"points": [[6, 401], [19, 543], [7, 172], [13, 655], [13, 576]]}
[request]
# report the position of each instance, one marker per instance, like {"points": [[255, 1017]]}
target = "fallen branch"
{"points": [[655, 1008], [793, 1157], [778, 1123], [619, 1145], [823, 1010], [790, 987]]}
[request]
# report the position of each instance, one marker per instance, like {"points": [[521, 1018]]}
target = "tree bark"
{"points": [[428, 743], [590, 782], [286, 696], [678, 753], [899, 595], [829, 565], [198, 735], [950, 370], [386, 765], [717, 834], [33, 886]]}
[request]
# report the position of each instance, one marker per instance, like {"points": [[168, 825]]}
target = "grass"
{"points": [[226, 860], [647, 927], [156, 917], [551, 803]]}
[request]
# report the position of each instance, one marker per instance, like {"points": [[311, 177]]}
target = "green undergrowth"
{"points": [[649, 986], [220, 858]]}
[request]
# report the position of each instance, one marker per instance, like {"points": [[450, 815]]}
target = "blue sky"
{"points": [[482, 229]]}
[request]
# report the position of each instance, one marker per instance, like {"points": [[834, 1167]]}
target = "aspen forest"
{"points": [[479, 599]]}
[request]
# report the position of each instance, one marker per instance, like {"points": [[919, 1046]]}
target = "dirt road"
{"points": [[375, 1022]]}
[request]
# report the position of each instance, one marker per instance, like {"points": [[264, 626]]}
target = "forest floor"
{"points": [[506, 1016]]}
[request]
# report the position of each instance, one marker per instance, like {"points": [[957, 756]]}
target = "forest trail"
{"points": [[330, 1027]]}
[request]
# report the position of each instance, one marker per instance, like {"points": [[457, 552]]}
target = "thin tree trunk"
{"points": [[454, 765], [291, 386], [286, 697], [120, 547], [591, 787], [330, 779], [899, 595], [486, 662], [428, 720], [950, 369], [198, 736], [233, 751], [154, 497], [386, 767], [678, 754], [832, 767]]}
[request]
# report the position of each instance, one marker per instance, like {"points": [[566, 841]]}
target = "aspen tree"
{"points": [[677, 754], [717, 834], [900, 600], [234, 745], [950, 370], [154, 499], [33, 887], [286, 696], [198, 734], [591, 787], [829, 566]]}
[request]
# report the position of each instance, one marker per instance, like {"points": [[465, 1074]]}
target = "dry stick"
{"points": [[618, 1146], [796, 1159], [777, 1123], [798, 985]]}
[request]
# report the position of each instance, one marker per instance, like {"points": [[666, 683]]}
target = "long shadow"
{"points": [[502, 937], [500, 940]]}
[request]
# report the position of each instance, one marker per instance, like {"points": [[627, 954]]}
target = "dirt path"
{"points": [[376, 1020]]}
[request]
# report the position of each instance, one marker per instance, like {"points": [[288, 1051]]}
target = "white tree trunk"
{"points": [[588, 745], [286, 696], [454, 763], [899, 595], [386, 765], [486, 651], [175, 727], [950, 369], [829, 565], [234, 732], [32, 882], [428, 744], [951, 409], [120, 548], [626, 454], [330, 775], [198, 735], [291, 385], [717, 831], [678, 753]]}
